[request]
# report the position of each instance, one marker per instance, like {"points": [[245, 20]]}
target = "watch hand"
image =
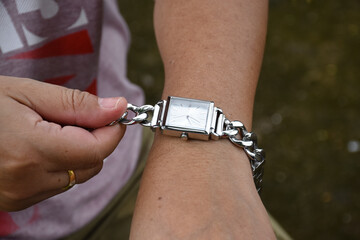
{"points": [[194, 119], [178, 116], [188, 118]]}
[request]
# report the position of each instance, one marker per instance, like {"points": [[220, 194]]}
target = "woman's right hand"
{"points": [[43, 134]]}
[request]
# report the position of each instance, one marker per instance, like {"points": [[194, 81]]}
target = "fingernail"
{"points": [[109, 102]]}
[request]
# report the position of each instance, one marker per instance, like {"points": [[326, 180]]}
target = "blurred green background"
{"points": [[306, 112]]}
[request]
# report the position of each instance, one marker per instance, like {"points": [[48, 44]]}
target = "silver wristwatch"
{"points": [[196, 119]]}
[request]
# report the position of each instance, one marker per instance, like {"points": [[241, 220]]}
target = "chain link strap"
{"points": [[234, 130], [141, 115], [239, 136]]}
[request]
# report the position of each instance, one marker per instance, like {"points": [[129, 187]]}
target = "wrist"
{"points": [[197, 119], [220, 160]]}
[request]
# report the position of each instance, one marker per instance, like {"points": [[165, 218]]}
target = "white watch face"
{"points": [[187, 113]]}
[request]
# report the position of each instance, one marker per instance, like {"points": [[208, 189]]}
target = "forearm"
{"points": [[212, 50]]}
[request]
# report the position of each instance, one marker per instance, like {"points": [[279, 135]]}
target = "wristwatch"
{"points": [[197, 119]]}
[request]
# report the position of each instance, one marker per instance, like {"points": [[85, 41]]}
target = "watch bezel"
{"points": [[191, 133]]}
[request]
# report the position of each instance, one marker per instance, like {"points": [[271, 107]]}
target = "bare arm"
{"points": [[212, 50]]}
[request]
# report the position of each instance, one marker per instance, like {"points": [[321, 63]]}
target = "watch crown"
{"points": [[184, 136]]}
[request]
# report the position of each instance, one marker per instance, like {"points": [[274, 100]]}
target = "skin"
{"points": [[212, 50], [43, 135]]}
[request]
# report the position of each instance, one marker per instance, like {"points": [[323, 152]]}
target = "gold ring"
{"points": [[72, 180]]}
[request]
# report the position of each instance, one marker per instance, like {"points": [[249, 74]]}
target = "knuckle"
{"points": [[98, 168], [74, 99], [17, 168], [78, 98], [20, 165], [96, 158], [92, 161], [86, 175], [94, 171], [81, 180], [19, 174]]}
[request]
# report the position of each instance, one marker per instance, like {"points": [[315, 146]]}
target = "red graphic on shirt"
{"points": [[7, 225], [35, 215], [93, 87], [72, 44], [60, 80], [64, 79]]}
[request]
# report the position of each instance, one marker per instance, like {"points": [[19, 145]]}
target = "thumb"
{"points": [[67, 106]]}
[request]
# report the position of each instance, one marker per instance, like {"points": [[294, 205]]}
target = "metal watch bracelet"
{"points": [[235, 131]]}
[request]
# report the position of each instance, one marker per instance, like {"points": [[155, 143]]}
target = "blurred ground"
{"points": [[306, 113]]}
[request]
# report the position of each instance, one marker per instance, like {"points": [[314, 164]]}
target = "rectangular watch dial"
{"points": [[189, 115]]}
